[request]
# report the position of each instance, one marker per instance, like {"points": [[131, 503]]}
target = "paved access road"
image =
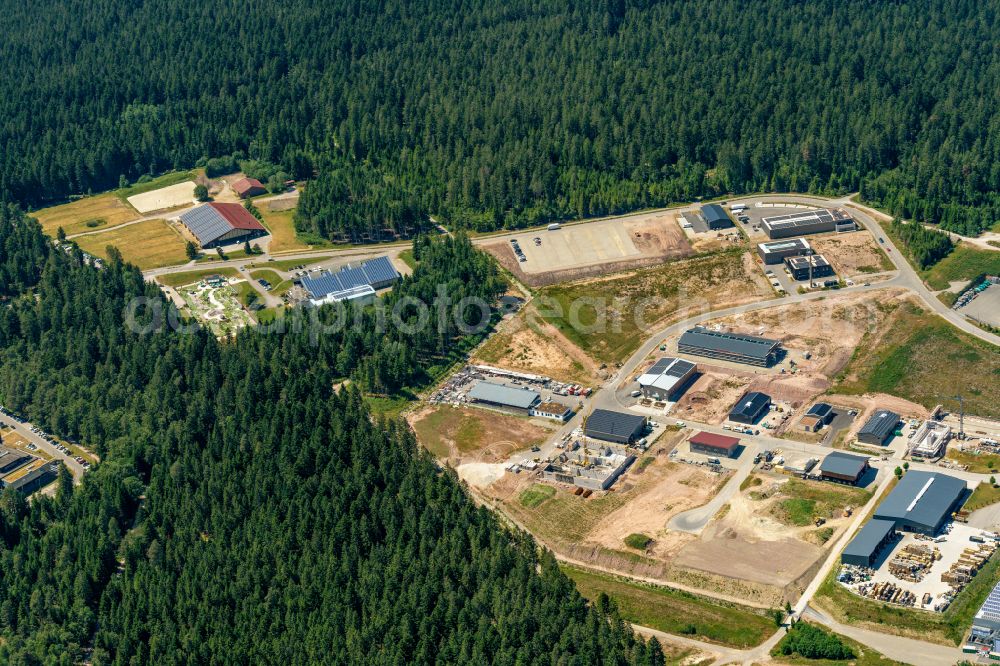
{"points": [[24, 430]]}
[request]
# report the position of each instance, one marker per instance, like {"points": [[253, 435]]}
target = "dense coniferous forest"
{"points": [[244, 512], [492, 114]]}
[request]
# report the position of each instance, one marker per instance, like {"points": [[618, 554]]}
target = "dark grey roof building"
{"points": [[868, 543], [35, 479], [879, 428], [747, 349], [11, 459], [774, 252], [922, 501], [615, 426], [715, 217], [810, 266], [750, 408], [843, 467], [667, 378], [807, 222], [500, 395]]}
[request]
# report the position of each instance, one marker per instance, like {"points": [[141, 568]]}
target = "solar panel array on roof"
{"points": [[820, 409], [206, 224], [990, 609], [730, 346], [666, 377], [376, 273]]}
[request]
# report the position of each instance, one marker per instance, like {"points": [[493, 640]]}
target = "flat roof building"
{"points": [[715, 217], [807, 267], [922, 501], [615, 426], [843, 467], [879, 428], [218, 224], [930, 440], [775, 252], [807, 222], [11, 459], [750, 408], [551, 410], [868, 543], [667, 378], [747, 349], [711, 444], [35, 479], [501, 395], [377, 273]]}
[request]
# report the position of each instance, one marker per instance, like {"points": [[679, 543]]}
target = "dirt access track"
{"points": [[594, 248]]}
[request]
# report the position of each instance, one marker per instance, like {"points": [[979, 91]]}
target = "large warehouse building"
{"points": [[879, 428], [807, 222], [667, 378], [984, 635], [775, 252], [507, 397], [715, 217], [327, 287], [615, 426], [218, 224], [922, 502], [747, 349], [750, 408], [711, 444], [866, 546]]}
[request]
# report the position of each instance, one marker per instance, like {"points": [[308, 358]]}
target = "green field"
{"points": [[100, 212], [964, 263], [289, 264], [148, 244], [536, 494], [634, 303], [804, 501], [278, 285], [281, 225], [444, 430], [190, 277], [864, 655], [947, 628], [985, 494], [674, 611], [922, 358], [406, 256]]}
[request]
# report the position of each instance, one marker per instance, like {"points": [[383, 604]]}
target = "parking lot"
{"points": [[570, 247]]}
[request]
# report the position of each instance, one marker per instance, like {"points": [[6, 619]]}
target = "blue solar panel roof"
{"points": [[375, 273]]}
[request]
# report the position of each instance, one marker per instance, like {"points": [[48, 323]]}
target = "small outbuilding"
{"points": [[248, 187], [551, 410], [819, 415], [750, 408]]}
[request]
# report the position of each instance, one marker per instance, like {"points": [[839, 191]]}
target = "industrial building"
{"points": [[715, 217], [218, 224], [711, 444], [34, 479], [248, 187], [880, 428], [551, 410], [667, 378], [507, 397], [841, 467], [808, 267], [351, 281], [807, 222], [930, 440], [819, 415], [11, 459], [984, 635], [750, 408], [922, 502], [615, 426], [775, 252], [866, 546], [747, 349]]}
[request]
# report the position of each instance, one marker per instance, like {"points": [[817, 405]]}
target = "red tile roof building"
{"points": [[248, 187]]}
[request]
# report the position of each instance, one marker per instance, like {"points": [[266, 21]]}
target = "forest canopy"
{"points": [[494, 114]]}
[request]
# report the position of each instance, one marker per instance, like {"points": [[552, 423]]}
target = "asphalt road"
{"points": [[24, 430]]}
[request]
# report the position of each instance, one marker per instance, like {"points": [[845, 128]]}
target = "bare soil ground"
{"points": [[586, 250], [530, 344], [462, 435], [164, 198], [852, 254]]}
